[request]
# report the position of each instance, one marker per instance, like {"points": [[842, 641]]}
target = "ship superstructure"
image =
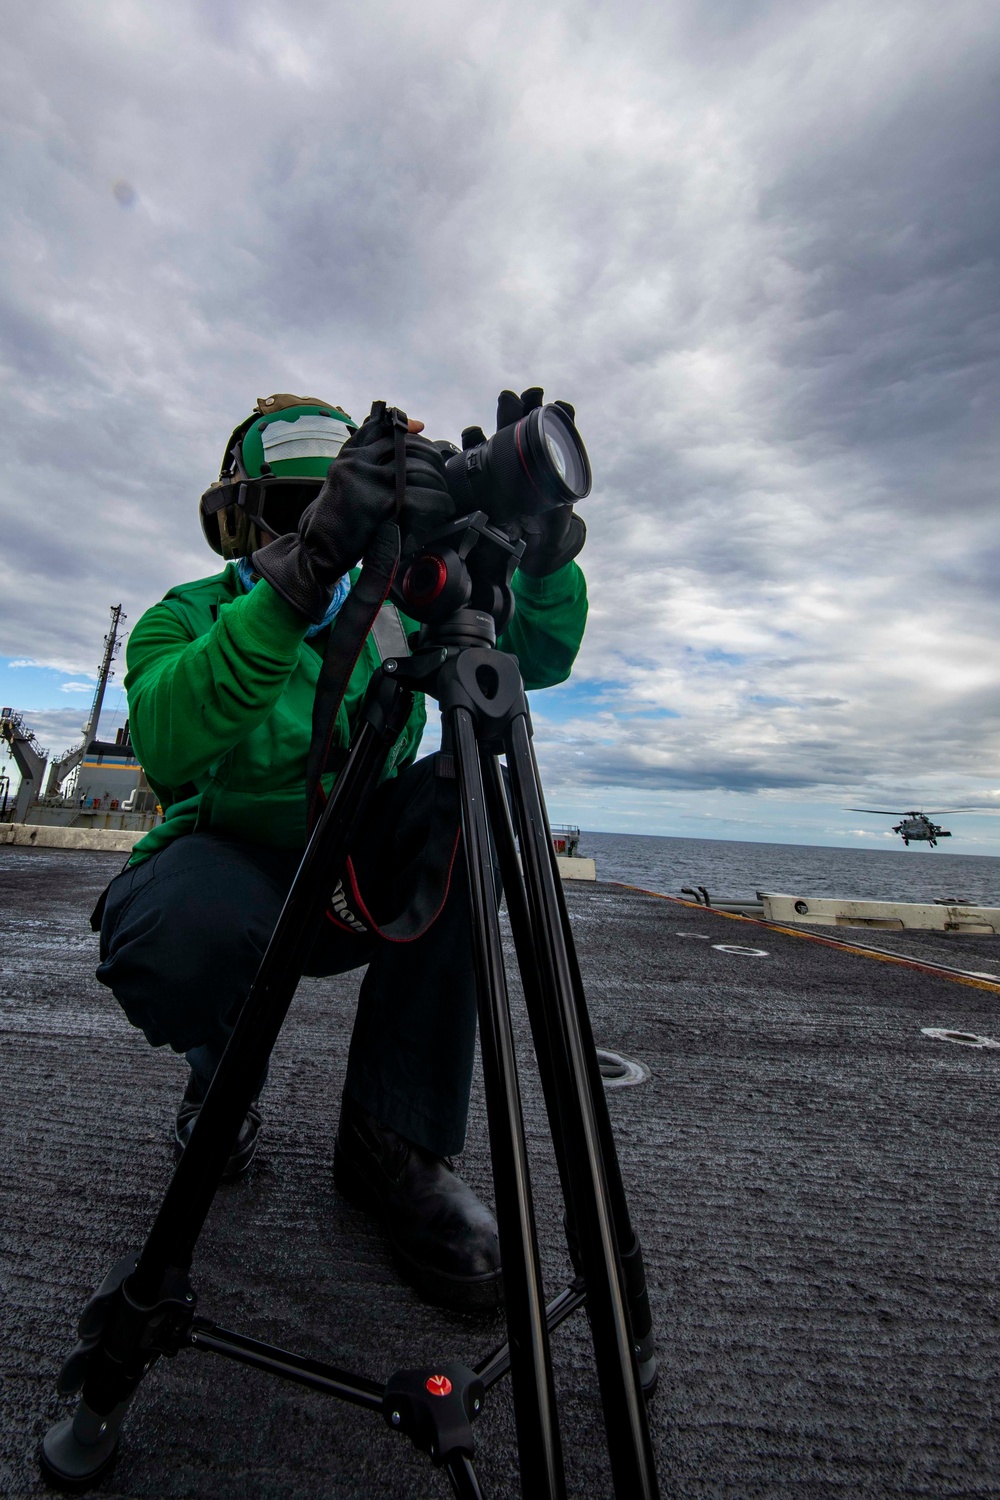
{"points": [[99, 784]]}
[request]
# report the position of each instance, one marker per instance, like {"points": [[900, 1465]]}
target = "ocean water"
{"points": [[736, 871]]}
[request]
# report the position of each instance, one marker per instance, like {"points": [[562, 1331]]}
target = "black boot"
{"points": [[443, 1238], [246, 1142]]}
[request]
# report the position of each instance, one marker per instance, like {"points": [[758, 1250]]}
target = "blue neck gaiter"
{"points": [[248, 578]]}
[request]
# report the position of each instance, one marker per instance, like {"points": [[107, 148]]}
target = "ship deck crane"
{"points": [[29, 758]]}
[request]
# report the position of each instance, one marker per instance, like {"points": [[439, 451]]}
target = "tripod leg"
{"points": [[531, 1369], [144, 1312], [579, 1103], [542, 1020], [464, 1483], [185, 1207]]}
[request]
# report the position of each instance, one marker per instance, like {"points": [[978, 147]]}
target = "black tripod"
{"points": [[146, 1306]]}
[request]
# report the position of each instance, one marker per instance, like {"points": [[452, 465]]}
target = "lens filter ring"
{"points": [[552, 455]]}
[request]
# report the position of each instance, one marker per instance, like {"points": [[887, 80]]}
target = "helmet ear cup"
{"points": [[209, 524], [235, 527], [225, 525], [211, 508]]}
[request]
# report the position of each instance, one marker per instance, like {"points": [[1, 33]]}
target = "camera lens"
{"points": [[534, 465], [557, 455]]}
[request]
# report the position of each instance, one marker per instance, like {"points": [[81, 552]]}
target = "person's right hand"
{"points": [[358, 494]]}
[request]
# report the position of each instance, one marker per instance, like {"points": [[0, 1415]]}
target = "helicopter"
{"points": [[916, 827]]}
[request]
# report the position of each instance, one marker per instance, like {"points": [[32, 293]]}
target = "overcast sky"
{"points": [[754, 243]]}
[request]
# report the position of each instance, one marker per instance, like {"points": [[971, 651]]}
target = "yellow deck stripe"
{"points": [[937, 970]]}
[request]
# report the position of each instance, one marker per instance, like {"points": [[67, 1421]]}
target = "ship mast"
{"points": [[60, 769], [110, 652]]}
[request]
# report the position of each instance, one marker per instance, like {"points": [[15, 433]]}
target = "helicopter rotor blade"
{"points": [[884, 811], [938, 812]]}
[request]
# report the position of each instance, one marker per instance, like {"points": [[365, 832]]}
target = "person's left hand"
{"points": [[552, 537], [551, 540]]}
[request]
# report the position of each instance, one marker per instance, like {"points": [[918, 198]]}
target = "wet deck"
{"points": [[815, 1183]]}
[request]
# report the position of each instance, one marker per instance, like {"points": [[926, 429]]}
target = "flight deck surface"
{"points": [[814, 1180]]}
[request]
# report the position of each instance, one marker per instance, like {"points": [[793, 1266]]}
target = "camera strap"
{"points": [[365, 612], [352, 625], [370, 613], [434, 868], [347, 638]]}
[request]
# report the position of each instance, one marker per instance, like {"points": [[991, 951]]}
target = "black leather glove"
{"points": [[358, 494], [551, 540], [552, 537]]}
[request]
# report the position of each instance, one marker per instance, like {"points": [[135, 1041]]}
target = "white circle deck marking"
{"points": [[963, 1038], [619, 1072], [740, 950]]}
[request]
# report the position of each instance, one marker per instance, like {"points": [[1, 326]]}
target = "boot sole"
{"points": [[475, 1294]]}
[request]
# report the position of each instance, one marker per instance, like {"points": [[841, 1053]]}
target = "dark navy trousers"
{"points": [[184, 931]]}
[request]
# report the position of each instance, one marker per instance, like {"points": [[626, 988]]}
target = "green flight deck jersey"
{"points": [[221, 683]]}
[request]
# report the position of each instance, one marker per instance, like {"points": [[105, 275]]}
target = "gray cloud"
{"points": [[755, 243]]}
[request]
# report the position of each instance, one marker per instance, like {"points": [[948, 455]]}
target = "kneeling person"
{"points": [[221, 681]]}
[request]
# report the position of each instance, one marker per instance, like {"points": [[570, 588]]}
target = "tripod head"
{"points": [[456, 580]]}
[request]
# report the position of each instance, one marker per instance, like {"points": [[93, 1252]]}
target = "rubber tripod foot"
{"points": [[77, 1452]]}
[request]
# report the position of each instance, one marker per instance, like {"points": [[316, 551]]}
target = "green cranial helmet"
{"points": [[274, 465]]}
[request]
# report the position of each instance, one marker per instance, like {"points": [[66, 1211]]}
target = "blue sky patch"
{"points": [[716, 654], [589, 699], [25, 686]]}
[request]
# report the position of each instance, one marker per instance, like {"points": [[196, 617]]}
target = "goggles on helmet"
{"points": [[274, 504]]}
